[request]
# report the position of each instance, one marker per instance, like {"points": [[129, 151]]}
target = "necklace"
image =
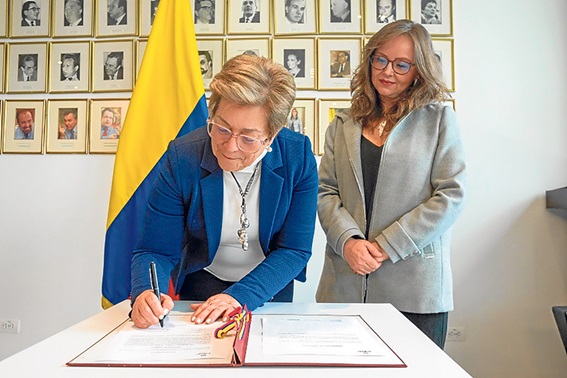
{"points": [[244, 222]]}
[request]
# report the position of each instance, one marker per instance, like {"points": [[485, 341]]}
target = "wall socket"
{"points": [[9, 326], [456, 334]]}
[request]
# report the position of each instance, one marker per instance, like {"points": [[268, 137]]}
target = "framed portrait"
{"points": [[381, 12], [30, 18], [327, 110], [3, 14], [22, 128], [73, 18], [140, 50], [208, 16], [66, 128], [2, 55], [211, 58], [301, 119], [254, 46], [435, 15], [106, 121], [340, 17], [295, 17], [249, 16], [147, 10], [112, 66], [443, 49], [298, 56], [338, 58], [26, 67], [69, 66], [116, 18]]}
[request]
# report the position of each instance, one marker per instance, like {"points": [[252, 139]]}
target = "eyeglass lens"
{"points": [[399, 66], [244, 142]]}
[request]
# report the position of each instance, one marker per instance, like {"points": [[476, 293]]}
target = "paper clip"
{"points": [[236, 317]]}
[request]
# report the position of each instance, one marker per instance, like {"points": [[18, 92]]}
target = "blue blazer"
{"points": [[182, 228]]}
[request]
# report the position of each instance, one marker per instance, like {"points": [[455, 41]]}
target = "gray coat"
{"points": [[419, 194]]}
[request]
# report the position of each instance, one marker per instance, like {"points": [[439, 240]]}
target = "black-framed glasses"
{"points": [[400, 66], [245, 143]]}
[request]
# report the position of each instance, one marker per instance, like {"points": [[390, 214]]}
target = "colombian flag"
{"points": [[168, 101]]}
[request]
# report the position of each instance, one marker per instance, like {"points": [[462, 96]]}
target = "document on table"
{"points": [[317, 340], [179, 341]]}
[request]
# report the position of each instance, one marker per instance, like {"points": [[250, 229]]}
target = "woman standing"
{"points": [[392, 183]]}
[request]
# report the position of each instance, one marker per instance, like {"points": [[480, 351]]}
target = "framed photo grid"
{"points": [[66, 126], [22, 129]]}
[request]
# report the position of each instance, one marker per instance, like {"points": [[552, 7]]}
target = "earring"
{"points": [[269, 149]]}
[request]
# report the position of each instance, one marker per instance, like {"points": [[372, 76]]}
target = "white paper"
{"points": [[319, 335]]}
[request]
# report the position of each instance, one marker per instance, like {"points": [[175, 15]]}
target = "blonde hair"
{"points": [[253, 80], [427, 87]]}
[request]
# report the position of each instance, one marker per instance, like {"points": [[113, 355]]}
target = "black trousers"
{"points": [[201, 285], [433, 325]]}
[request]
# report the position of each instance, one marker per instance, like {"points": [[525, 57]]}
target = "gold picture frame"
{"points": [[259, 21], [69, 69], [438, 21], [76, 21], [338, 58], [257, 46], [112, 66], [215, 25], [377, 16], [327, 110], [294, 19], [22, 129], [66, 129], [299, 57], [443, 49], [340, 20], [125, 24], [26, 67], [37, 13], [304, 122], [211, 58], [106, 118]]}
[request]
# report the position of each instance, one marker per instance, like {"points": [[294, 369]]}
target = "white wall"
{"points": [[509, 252]]}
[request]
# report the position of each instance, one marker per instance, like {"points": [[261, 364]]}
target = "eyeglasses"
{"points": [[401, 67], [243, 142], [33, 9]]}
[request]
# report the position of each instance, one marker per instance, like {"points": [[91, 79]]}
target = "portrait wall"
{"points": [[93, 50]]}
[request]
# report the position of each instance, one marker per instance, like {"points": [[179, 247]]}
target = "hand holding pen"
{"points": [[155, 287], [146, 310]]}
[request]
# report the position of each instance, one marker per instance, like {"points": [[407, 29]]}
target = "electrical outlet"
{"points": [[456, 334], [9, 326]]}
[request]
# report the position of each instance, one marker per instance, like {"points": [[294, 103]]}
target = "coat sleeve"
{"points": [[337, 222]]}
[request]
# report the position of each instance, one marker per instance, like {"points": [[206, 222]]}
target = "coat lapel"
{"points": [[271, 186], [211, 192], [352, 134]]}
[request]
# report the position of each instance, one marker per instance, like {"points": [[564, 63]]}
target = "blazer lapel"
{"points": [[271, 186], [352, 134], [211, 191]]}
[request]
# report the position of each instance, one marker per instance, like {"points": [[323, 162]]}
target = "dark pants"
{"points": [[433, 325], [201, 285]]}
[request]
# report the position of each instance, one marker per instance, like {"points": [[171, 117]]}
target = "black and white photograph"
{"points": [[249, 16], [210, 58], [30, 18], [23, 127], [69, 67], [379, 13], [147, 10], [298, 56], [444, 51], [208, 16], [26, 69], [112, 66], [435, 15], [66, 126], [295, 17], [340, 17], [73, 18], [338, 58], [116, 18]]}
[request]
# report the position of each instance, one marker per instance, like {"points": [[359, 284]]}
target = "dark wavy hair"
{"points": [[427, 87]]}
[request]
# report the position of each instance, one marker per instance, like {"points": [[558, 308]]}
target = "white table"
{"points": [[422, 357]]}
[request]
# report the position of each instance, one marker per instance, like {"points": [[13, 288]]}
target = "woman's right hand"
{"points": [[361, 255], [147, 309]]}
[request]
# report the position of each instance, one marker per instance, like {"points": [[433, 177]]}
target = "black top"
{"points": [[370, 155]]}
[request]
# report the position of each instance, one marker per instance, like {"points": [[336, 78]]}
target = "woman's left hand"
{"points": [[384, 255], [217, 306]]}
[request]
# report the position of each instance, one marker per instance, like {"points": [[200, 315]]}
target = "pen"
{"points": [[155, 285]]}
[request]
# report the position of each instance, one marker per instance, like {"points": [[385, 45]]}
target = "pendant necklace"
{"points": [[381, 127], [244, 222]]}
